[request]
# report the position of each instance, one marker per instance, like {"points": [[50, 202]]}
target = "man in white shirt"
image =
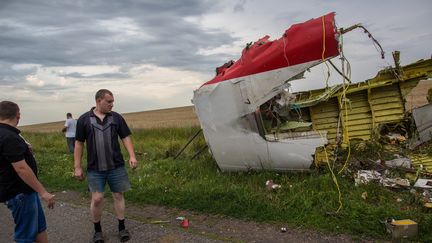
{"points": [[69, 130]]}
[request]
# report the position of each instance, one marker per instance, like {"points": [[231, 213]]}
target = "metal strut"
{"points": [[345, 30], [190, 140], [199, 151]]}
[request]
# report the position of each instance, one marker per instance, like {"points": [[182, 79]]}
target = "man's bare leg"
{"points": [[119, 205], [96, 206], [42, 237]]}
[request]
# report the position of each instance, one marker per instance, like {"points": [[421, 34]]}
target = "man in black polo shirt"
{"points": [[100, 128], [19, 185]]}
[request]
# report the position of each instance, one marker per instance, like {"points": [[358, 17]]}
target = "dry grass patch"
{"points": [[171, 117]]}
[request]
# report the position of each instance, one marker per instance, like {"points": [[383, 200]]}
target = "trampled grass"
{"points": [[307, 200]]}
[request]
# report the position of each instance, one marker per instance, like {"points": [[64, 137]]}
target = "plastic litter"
{"points": [[185, 223]]}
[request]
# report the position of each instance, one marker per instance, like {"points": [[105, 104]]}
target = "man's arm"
{"points": [[78, 152], [27, 175], [66, 125], [127, 142]]}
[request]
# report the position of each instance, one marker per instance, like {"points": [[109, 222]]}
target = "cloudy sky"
{"points": [[55, 54]]}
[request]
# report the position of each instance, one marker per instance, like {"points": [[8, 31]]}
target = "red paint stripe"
{"points": [[301, 43]]}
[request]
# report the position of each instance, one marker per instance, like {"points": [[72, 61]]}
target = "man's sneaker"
{"points": [[98, 237], [124, 235]]}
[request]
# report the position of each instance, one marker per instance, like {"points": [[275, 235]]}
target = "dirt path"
{"points": [[205, 226], [69, 223]]}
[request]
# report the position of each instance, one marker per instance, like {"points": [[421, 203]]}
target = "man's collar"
{"points": [[11, 128], [93, 114]]}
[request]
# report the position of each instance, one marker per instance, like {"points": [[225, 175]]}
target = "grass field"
{"points": [[307, 200]]}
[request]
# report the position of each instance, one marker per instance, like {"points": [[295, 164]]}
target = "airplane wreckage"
{"points": [[250, 120]]}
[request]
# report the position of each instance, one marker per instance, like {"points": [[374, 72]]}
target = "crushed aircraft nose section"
{"points": [[228, 106]]}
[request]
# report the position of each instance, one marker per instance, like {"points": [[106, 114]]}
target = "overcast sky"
{"points": [[54, 55]]}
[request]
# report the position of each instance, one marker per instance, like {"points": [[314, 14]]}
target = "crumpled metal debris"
{"points": [[400, 162], [395, 138], [395, 182], [423, 120], [366, 176], [424, 183]]}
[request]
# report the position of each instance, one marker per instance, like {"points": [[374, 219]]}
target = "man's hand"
{"points": [[49, 199], [78, 174], [133, 163]]}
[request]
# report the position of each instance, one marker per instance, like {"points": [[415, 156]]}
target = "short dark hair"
{"points": [[8, 110], [69, 114], [101, 93]]}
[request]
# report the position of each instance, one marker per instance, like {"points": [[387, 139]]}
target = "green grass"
{"points": [[307, 200]]}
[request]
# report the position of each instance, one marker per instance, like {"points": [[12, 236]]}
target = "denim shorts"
{"points": [[117, 180], [28, 216]]}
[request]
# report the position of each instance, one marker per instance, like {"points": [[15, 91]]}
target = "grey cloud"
{"points": [[239, 7], [11, 76], [62, 33], [78, 75], [43, 91], [291, 17]]}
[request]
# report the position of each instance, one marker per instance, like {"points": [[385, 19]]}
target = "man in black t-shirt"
{"points": [[100, 128], [19, 185]]}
